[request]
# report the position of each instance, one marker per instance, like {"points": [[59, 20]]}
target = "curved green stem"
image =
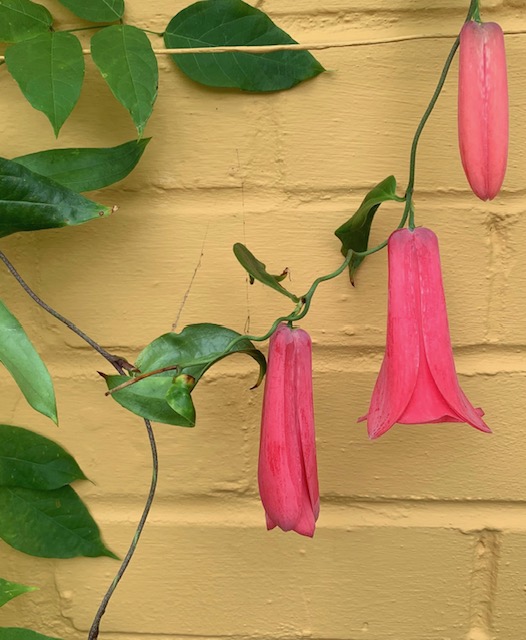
{"points": [[414, 146], [303, 305], [307, 298], [301, 309], [473, 12]]}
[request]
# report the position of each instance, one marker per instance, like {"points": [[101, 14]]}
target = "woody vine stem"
{"points": [[301, 309]]}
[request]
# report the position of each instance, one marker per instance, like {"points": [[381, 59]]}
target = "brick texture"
{"points": [[422, 534]]}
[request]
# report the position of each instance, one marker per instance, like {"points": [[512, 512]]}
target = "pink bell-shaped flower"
{"points": [[287, 473], [417, 381], [483, 107]]}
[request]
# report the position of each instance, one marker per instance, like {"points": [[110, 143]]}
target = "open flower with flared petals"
{"points": [[417, 381], [287, 473]]}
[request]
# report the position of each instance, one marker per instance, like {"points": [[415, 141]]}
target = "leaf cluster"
{"points": [[48, 64]]}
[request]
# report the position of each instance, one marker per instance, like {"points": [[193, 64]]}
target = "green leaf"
{"points": [[86, 169], [203, 341], [127, 62], [31, 461], [354, 234], [216, 23], [19, 357], [15, 633], [10, 590], [49, 70], [29, 202], [148, 399], [96, 10], [258, 270], [22, 19], [163, 399], [49, 524], [180, 400]]}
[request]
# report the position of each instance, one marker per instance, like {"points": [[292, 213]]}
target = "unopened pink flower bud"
{"points": [[287, 473], [483, 107]]}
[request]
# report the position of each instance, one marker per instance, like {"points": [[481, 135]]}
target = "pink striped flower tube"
{"points": [[287, 473], [483, 107]]}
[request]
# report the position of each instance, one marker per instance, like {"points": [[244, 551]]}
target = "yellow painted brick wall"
{"points": [[422, 534]]}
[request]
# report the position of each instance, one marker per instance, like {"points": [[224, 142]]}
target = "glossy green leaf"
{"points": [[16, 633], [258, 271], [354, 234], [147, 399], [180, 400], [204, 342], [29, 202], [10, 590], [127, 62], [22, 19], [49, 524], [155, 398], [20, 358], [214, 23], [32, 461], [86, 169], [96, 10], [49, 70]]}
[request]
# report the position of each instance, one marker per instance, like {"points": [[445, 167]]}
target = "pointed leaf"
{"points": [[16, 633], [29, 460], [49, 70], [49, 524], [10, 590], [127, 62], [86, 169], [156, 398], [147, 399], [22, 19], [96, 10], [180, 399], [29, 202], [258, 270], [203, 341], [214, 23], [20, 358], [354, 234]]}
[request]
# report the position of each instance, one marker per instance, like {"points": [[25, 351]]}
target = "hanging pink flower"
{"points": [[287, 474], [417, 381], [483, 107]]}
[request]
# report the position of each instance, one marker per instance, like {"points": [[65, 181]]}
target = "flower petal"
{"points": [[280, 463], [398, 375], [305, 417], [435, 330]]}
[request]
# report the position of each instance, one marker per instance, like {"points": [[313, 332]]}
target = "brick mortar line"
{"points": [[465, 517], [362, 360]]}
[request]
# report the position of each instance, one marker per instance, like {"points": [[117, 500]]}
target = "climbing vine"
{"points": [[43, 190]]}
